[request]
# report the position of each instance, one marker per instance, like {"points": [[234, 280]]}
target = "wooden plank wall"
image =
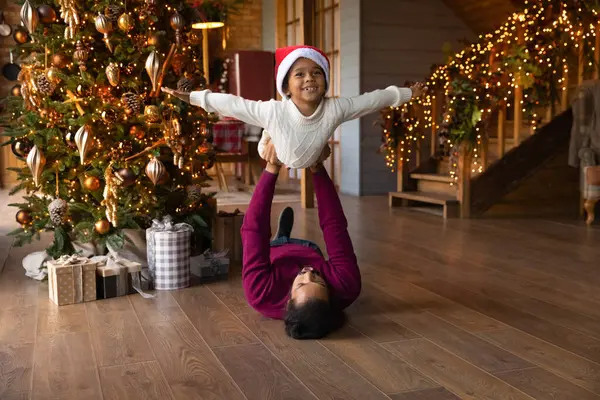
{"points": [[482, 16]]}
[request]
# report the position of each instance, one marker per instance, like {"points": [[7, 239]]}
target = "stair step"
{"points": [[426, 197], [433, 177], [450, 206]]}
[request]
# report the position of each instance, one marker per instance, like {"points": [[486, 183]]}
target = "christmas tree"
{"points": [[105, 149]]}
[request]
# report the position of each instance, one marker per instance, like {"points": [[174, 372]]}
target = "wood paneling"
{"points": [[483, 16]]}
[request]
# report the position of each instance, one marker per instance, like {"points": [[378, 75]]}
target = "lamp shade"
{"points": [[208, 25]]}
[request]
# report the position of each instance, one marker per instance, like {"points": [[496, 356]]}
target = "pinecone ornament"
{"points": [[58, 211], [113, 12], [132, 103], [186, 84], [194, 193], [45, 86]]}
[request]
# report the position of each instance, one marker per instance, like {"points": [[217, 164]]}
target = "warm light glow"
{"points": [[207, 25]]}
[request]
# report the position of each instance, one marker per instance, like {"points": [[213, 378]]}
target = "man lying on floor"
{"points": [[289, 279]]}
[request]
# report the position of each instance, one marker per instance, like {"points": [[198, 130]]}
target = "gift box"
{"points": [[117, 276], [71, 279], [227, 235], [168, 247], [210, 265]]}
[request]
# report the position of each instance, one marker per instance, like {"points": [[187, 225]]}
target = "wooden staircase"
{"points": [[432, 189], [519, 170]]}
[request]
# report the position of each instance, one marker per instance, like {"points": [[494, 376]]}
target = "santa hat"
{"points": [[286, 57]]}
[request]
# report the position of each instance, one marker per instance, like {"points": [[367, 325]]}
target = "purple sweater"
{"points": [[268, 273]]}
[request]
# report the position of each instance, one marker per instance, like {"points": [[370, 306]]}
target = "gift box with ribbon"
{"points": [[226, 234], [169, 247], [209, 264], [71, 279], [117, 276]]}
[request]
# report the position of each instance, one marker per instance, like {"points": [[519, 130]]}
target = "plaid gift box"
{"points": [[228, 134], [227, 235], [210, 264], [169, 248], [71, 279]]}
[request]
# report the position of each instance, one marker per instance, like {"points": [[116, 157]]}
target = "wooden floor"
{"points": [[477, 309]]}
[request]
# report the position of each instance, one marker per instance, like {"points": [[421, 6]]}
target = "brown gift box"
{"points": [[71, 279], [226, 234]]}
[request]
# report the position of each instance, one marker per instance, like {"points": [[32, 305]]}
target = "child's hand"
{"points": [[418, 89], [184, 96]]}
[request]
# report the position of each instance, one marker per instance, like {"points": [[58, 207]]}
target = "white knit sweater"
{"points": [[299, 140]]}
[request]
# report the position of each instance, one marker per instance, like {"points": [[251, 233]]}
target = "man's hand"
{"points": [[184, 96], [418, 89], [324, 156], [270, 154]]}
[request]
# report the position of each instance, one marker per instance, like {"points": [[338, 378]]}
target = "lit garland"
{"points": [[531, 51]]}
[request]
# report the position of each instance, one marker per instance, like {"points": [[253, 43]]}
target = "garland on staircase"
{"points": [[531, 50]]}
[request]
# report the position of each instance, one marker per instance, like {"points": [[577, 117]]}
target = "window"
{"points": [[327, 28], [326, 25]]}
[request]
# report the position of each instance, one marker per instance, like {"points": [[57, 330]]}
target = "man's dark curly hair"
{"points": [[313, 319]]}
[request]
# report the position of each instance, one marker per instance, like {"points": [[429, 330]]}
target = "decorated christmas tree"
{"points": [[105, 149]]}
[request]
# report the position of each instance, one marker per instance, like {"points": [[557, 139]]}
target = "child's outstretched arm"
{"points": [[251, 112], [392, 96]]}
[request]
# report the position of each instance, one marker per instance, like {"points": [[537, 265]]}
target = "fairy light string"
{"points": [[532, 50]]}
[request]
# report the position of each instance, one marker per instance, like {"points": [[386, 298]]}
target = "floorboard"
{"points": [[458, 309]]}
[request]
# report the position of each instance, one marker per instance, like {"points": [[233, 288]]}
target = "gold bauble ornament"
{"points": [[155, 170], [102, 226], [104, 26], [23, 217], [47, 14], [153, 68], [70, 138], [91, 183], [83, 141], [20, 35], [126, 22], [113, 73], [109, 115], [152, 114], [125, 176], [52, 74], [29, 17], [177, 21], [36, 162], [137, 131], [21, 147], [81, 55], [60, 60], [16, 91]]}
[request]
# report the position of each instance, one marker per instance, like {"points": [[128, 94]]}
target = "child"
{"points": [[302, 123]]}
